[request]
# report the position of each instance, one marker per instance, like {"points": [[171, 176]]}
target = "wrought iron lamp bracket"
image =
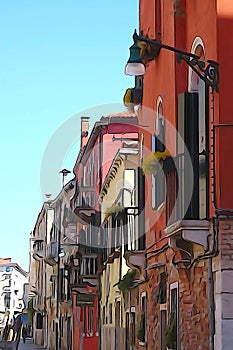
{"points": [[208, 73], [206, 70]]}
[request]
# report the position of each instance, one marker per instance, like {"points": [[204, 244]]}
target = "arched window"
{"points": [[158, 145], [198, 86], [193, 128]]}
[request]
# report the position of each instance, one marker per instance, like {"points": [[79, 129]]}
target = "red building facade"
{"points": [[187, 210], [92, 165]]}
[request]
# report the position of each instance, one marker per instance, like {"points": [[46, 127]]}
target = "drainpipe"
{"points": [[211, 305], [58, 281]]}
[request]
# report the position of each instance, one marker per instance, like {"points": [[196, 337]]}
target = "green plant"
{"points": [[126, 282], [114, 209], [170, 335], [154, 162], [30, 311], [132, 97]]}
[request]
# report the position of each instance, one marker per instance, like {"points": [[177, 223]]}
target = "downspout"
{"points": [[58, 335], [100, 177], [211, 305]]}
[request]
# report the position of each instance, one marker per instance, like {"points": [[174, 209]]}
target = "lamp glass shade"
{"points": [[134, 69], [62, 253]]}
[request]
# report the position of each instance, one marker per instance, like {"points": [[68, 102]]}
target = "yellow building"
{"points": [[119, 215]]}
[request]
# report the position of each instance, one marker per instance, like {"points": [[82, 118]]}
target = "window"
{"points": [[53, 287], [163, 322], [128, 187], [141, 332], [7, 300], [132, 326], [132, 230], [158, 145], [173, 320], [62, 325], [104, 315], [90, 320], [118, 314], [161, 295], [110, 313], [197, 90], [39, 321], [62, 285], [127, 329], [192, 199], [82, 237], [74, 275], [89, 266]]}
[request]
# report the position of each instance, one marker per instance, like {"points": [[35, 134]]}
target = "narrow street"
{"points": [[28, 345]]}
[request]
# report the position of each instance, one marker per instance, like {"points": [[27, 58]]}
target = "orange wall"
{"points": [[212, 21], [225, 134], [159, 80]]}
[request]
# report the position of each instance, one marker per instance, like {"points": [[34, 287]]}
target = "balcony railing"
{"points": [[86, 272], [51, 253], [85, 198], [38, 249]]}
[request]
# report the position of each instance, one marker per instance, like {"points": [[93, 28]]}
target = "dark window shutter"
{"points": [[188, 128]]}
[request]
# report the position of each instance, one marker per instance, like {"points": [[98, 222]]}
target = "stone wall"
{"points": [[223, 273], [193, 308]]}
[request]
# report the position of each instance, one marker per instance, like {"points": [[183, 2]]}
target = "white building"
{"points": [[12, 281]]}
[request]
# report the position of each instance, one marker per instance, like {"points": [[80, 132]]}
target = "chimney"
{"points": [[84, 130]]}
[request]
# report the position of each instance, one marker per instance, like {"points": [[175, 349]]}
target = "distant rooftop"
{"points": [[5, 261], [119, 116], [8, 263]]}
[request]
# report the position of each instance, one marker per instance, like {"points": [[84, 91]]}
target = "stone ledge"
{"points": [[195, 231]]}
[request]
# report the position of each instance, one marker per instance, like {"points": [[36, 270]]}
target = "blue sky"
{"points": [[58, 61]]}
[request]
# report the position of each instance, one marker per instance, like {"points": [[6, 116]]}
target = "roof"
{"points": [[122, 116], [14, 266], [125, 117]]}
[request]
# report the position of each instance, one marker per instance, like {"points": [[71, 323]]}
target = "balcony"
{"points": [[85, 272], [51, 253], [194, 231], [38, 249], [85, 197], [136, 260], [88, 271], [84, 204]]}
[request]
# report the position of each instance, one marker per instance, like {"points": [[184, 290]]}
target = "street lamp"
{"points": [[145, 49], [64, 173]]}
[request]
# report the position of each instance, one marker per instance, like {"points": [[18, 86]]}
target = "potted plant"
{"points": [[153, 163], [132, 97], [114, 209], [126, 282], [170, 336]]}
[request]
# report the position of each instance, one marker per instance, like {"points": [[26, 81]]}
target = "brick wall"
{"points": [[193, 310], [223, 275]]}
